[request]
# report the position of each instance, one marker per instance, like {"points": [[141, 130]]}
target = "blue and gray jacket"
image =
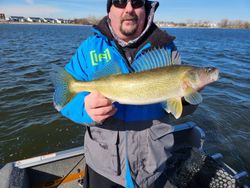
{"points": [[137, 139]]}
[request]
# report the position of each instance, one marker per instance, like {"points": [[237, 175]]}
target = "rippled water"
{"points": [[30, 126]]}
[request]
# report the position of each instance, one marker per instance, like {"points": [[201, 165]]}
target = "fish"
{"points": [[166, 85]]}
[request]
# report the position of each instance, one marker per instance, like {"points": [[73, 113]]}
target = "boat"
{"points": [[65, 169]]}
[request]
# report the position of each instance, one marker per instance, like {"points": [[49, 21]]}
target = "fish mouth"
{"points": [[216, 75]]}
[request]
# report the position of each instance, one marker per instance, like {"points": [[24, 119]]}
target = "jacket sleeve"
{"points": [[75, 110]]}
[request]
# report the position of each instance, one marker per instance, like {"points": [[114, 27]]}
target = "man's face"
{"points": [[128, 22]]}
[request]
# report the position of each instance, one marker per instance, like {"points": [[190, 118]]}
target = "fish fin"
{"points": [[173, 106], [192, 96], [61, 80], [106, 70], [155, 58], [165, 106]]}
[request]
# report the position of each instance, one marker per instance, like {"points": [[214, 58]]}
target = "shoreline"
{"points": [[38, 23], [71, 24]]}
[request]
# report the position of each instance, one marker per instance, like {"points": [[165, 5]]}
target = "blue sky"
{"points": [[169, 10]]}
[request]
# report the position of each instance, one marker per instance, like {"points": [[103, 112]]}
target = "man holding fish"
{"points": [[123, 83]]}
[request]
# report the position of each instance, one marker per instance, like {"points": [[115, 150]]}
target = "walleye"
{"points": [[166, 85]]}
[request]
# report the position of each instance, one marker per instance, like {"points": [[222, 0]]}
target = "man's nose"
{"points": [[129, 7]]}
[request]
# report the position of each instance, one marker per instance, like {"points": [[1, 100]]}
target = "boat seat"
{"points": [[11, 176], [188, 135]]}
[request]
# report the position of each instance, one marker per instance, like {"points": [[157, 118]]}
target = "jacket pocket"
{"points": [[101, 150], [160, 142], [160, 131]]}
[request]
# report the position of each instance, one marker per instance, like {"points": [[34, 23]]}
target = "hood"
{"points": [[105, 28]]}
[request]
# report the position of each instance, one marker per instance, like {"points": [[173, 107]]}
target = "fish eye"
{"points": [[209, 69]]}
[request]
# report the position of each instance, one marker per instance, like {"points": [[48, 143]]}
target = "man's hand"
{"points": [[98, 107]]}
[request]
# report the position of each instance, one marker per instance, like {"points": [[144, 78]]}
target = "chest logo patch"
{"points": [[99, 57]]}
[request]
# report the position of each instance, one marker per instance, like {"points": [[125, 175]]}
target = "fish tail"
{"points": [[62, 81]]}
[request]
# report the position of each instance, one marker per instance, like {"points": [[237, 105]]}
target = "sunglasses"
{"points": [[123, 3]]}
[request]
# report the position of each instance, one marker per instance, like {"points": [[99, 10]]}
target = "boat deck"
{"points": [[66, 168], [58, 174]]}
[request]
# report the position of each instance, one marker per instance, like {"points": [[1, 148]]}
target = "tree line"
{"points": [[234, 24], [225, 23], [91, 20]]}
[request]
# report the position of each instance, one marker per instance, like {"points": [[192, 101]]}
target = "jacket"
{"points": [[138, 134]]}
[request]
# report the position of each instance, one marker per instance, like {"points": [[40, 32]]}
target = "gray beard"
{"points": [[135, 27], [128, 32]]}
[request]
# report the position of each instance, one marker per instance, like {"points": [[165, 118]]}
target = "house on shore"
{"points": [[17, 18], [2, 17], [34, 19], [50, 20]]}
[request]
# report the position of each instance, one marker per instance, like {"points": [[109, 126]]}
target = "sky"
{"points": [[169, 10]]}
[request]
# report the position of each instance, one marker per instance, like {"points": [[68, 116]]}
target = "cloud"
{"points": [[31, 10]]}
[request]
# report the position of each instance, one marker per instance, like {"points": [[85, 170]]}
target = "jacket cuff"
{"points": [[75, 110]]}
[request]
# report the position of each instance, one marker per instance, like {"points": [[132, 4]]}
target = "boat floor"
{"points": [[58, 174]]}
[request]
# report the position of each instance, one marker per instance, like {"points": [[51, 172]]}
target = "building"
{"points": [[35, 19], [2, 16], [61, 20], [49, 20], [57, 21], [17, 18]]}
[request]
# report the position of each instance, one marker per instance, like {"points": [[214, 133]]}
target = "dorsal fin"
{"points": [[153, 59], [106, 70]]}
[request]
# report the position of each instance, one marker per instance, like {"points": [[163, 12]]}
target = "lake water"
{"points": [[30, 126]]}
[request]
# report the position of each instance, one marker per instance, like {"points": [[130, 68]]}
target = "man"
{"points": [[125, 145]]}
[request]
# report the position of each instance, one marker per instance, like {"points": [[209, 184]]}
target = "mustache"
{"points": [[129, 17]]}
